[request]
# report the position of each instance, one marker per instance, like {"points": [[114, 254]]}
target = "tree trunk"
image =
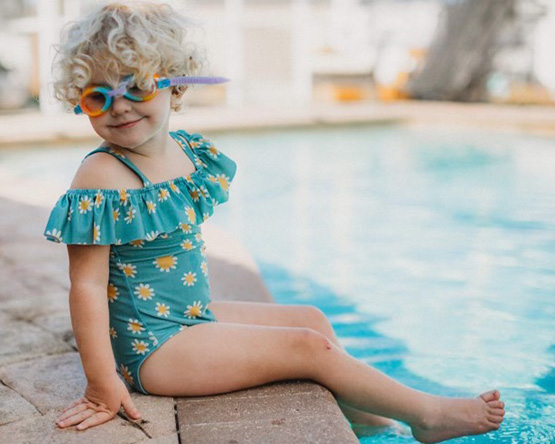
{"points": [[460, 57]]}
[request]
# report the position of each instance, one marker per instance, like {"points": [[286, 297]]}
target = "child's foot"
{"points": [[461, 417]]}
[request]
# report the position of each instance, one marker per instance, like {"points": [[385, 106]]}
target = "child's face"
{"points": [[151, 118]]}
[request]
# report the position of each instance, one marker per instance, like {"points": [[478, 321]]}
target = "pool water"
{"points": [[431, 251]]}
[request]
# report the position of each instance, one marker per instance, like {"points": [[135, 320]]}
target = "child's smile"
{"points": [[128, 124]]}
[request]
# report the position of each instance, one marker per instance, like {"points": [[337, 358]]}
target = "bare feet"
{"points": [[453, 417]]}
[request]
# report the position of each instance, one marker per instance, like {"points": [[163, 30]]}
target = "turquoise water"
{"points": [[431, 251]]}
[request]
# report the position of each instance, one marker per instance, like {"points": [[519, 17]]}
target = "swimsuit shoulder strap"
{"points": [[121, 157]]}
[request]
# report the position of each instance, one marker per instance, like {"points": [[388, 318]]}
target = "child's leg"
{"points": [[220, 357], [281, 315]]}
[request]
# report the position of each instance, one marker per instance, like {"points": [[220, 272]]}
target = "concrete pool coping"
{"points": [[41, 373], [34, 128]]}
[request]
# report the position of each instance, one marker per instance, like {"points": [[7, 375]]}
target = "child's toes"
{"points": [[496, 412], [496, 404], [495, 419], [494, 425], [492, 395]]}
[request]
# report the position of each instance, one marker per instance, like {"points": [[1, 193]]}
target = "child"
{"points": [[139, 287]]}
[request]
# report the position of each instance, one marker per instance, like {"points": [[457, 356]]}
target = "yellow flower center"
{"points": [[195, 311], [166, 262]]}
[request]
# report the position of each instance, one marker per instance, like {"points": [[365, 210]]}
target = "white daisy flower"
{"points": [[151, 207], [85, 205], [189, 279], [128, 269], [190, 211], [144, 292], [96, 233], [213, 152], [153, 338], [223, 180], [124, 196], [140, 347], [135, 326], [151, 236], [130, 215], [174, 187], [204, 268], [186, 228], [124, 370], [113, 333], [204, 191], [195, 195], [163, 194], [137, 243], [165, 263], [113, 292], [187, 244], [194, 310], [162, 309], [98, 199]]}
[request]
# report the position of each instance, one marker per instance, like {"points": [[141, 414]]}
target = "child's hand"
{"points": [[100, 404]]}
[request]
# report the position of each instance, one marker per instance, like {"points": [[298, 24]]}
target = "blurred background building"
{"points": [[306, 51]]}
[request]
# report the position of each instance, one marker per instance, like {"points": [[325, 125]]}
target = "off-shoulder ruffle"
{"points": [[109, 216]]}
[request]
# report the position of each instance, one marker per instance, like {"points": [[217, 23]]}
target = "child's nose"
{"points": [[120, 105]]}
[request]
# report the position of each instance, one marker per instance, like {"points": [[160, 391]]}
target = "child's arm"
{"points": [[105, 392], [88, 273], [88, 301]]}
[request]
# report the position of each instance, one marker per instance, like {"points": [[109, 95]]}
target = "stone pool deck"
{"points": [[41, 373]]}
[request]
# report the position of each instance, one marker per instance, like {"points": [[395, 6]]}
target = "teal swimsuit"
{"points": [[158, 282]]}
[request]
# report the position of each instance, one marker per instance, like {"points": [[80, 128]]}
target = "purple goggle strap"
{"points": [[165, 83]]}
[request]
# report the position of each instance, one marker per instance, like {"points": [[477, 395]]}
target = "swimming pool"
{"points": [[432, 251]]}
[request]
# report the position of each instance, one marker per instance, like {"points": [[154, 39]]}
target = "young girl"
{"points": [[138, 271]]}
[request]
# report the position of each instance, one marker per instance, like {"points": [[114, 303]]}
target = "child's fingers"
{"points": [[94, 420], [130, 408], [73, 411], [77, 409], [76, 418], [79, 401]]}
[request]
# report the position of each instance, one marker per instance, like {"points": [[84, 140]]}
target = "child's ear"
{"points": [[178, 93]]}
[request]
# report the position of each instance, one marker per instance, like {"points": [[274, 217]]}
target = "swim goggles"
{"points": [[96, 100]]}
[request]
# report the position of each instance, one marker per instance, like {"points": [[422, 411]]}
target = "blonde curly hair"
{"points": [[128, 36]]}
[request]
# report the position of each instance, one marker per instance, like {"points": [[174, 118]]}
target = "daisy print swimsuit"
{"points": [[158, 281]]}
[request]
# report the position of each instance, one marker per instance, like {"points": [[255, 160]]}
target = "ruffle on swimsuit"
{"points": [[111, 216]]}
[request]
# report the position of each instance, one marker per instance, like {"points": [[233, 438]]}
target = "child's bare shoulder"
{"points": [[103, 171]]}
